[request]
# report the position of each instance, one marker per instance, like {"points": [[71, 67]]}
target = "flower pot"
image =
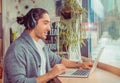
{"points": [[66, 13]]}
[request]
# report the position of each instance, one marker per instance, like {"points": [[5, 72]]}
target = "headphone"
{"points": [[31, 21]]}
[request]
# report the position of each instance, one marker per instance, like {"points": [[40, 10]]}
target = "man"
{"points": [[28, 59]]}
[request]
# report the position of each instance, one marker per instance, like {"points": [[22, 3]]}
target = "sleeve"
{"points": [[54, 58], [15, 67]]}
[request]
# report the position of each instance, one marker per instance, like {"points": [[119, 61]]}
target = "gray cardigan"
{"points": [[22, 62]]}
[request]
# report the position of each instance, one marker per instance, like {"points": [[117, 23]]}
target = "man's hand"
{"points": [[58, 69], [86, 65]]}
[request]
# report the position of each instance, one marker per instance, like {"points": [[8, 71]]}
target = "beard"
{"points": [[40, 34]]}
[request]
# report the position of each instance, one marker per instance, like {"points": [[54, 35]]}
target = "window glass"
{"points": [[104, 30]]}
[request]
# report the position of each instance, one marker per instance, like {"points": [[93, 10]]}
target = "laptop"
{"points": [[82, 72]]}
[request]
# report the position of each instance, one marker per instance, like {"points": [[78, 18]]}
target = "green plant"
{"points": [[70, 24], [74, 5]]}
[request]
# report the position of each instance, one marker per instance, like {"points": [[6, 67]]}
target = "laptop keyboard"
{"points": [[81, 72]]}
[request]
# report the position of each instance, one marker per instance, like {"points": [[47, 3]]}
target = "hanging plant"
{"points": [[71, 7], [70, 24]]}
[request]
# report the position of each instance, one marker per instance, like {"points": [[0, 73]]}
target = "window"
{"points": [[104, 31]]}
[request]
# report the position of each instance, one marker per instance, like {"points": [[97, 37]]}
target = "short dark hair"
{"points": [[27, 20]]}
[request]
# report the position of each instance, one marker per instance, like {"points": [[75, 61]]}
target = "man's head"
{"points": [[37, 22]]}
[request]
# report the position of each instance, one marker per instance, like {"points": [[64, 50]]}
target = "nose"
{"points": [[49, 28]]}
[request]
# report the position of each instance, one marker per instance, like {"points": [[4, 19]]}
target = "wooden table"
{"points": [[98, 76]]}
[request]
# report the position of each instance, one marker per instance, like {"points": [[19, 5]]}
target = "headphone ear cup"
{"points": [[32, 22]]}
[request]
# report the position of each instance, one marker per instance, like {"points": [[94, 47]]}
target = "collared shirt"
{"points": [[40, 44]]}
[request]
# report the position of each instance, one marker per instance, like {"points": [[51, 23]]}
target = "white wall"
{"points": [[10, 9]]}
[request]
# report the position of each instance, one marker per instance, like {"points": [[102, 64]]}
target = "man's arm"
{"points": [[56, 70], [73, 64], [15, 71]]}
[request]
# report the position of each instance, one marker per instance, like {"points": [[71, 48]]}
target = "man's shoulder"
{"points": [[18, 43]]}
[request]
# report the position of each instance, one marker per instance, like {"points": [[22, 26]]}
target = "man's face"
{"points": [[42, 28]]}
